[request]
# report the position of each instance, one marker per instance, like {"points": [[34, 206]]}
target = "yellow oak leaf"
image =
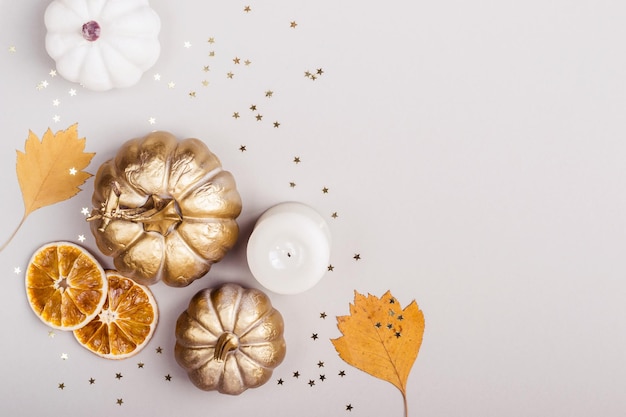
{"points": [[380, 338], [51, 170]]}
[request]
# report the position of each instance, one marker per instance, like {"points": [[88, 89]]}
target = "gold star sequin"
{"points": [[247, 9], [168, 377], [212, 53], [61, 386], [296, 159], [140, 365], [236, 60], [258, 117], [320, 71], [293, 24], [334, 215], [325, 190], [236, 115], [12, 49], [211, 40], [247, 62], [357, 256], [242, 148], [192, 94], [120, 401], [276, 124], [159, 350], [92, 381], [331, 268], [292, 184], [269, 93], [205, 83], [206, 68], [230, 74], [253, 107]]}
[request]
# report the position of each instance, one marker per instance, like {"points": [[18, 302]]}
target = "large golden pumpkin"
{"points": [[164, 209], [229, 339]]}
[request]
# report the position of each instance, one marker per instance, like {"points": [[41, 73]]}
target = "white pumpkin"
{"points": [[102, 44]]}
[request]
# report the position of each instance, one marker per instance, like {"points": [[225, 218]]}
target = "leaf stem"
{"points": [[406, 407], [5, 244]]}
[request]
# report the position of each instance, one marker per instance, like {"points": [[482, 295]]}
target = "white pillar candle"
{"points": [[289, 248]]}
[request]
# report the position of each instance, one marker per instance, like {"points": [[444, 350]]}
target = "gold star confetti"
{"points": [[236, 115], [64, 356], [192, 94], [85, 211], [159, 349], [296, 159], [51, 334], [322, 377], [323, 316], [314, 336], [269, 93], [119, 375], [230, 74], [311, 382], [171, 84], [296, 374], [236, 60], [56, 102], [349, 407], [168, 377], [81, 238], [212, 53], [206, 68], [253, 107], [120, 401], [52, 73], [211, 40], [157, 77], [331, 268], [320, 71], [357, 256], [247, 9], [12, 49], [307, 74], [320, 364], [258, 117], [17, 270], [292, 184], [276, 124], [92, 381], [334, 215], [187, 44], [205, 83], [293, 24], [325, 190], [242, 148], [151, 120], [73, 171], [247, 62], [72, 92], [61, 386], [280, 381], [140, 365], [342, 373]]}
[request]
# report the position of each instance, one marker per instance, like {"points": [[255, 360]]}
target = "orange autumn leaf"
{"points": [[381, 338], [51, 170]]}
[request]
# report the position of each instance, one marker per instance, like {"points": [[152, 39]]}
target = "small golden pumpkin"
{"points": [[164, 209], [229, 339]]}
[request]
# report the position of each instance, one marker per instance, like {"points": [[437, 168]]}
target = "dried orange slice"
{"points": [[65, 285], [125, 324]]}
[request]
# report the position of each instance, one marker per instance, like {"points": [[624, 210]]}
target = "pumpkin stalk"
{"points": [[157, 214], [227, 342]]}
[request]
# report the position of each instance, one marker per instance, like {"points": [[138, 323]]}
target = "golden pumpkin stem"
{"points": [[157, 214], [227, 342]]}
